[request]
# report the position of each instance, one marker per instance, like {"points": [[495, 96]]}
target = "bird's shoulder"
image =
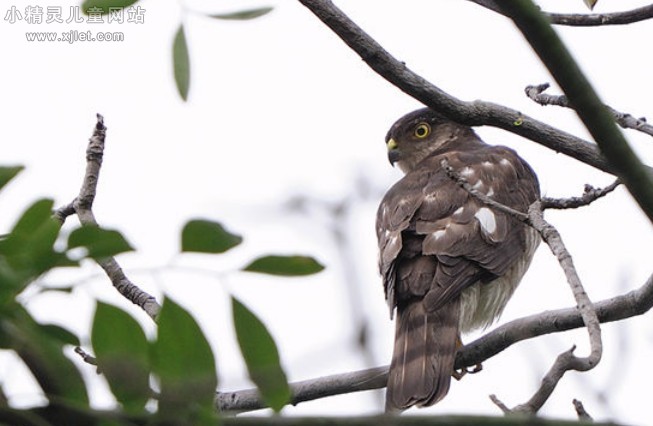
{"points": [[429, 193]]}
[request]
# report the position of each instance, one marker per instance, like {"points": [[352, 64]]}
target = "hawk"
{"points": [[449, 263]]}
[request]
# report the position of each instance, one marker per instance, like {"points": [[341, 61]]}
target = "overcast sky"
{"points": [[278, 108]]}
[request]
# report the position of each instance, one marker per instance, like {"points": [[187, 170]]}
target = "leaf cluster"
{"points": [[168, 379]]}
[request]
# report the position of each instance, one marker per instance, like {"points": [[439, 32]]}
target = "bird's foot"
{"points": [[462, 372]]}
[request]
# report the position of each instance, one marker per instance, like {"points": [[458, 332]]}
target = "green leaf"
{"points": [[29, 249], [181, 63], [33, 218], [244, 15], [43, 355], [122, 353], [8, 173], [285, 265], [184, 363], [204, 236], [261, 356], [100, 243], [61, 334], [105, 5]]}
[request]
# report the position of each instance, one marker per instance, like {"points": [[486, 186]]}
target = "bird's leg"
{"points": [[461, 372]]}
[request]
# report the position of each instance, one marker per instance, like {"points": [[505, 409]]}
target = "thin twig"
{"points": [[625, 120], [581, 412], [590, 194], [566, 361], [598, 19], [462, 182], [86, 357], [83, 207], [586, 19]]}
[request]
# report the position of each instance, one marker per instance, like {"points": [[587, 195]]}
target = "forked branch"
{"points": [[82, 206]]}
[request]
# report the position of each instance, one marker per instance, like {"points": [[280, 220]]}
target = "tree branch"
{"points": [[625, 120], [597, 19], [596, 118], [634, 303], [590, 194], [476, 113], [584, 20], [83, 207], [566, 361]]}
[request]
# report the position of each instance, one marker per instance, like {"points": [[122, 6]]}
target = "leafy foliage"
{"points": [[105, 5], [8, 173], [205, 236], [261, 356], [181, 63], [184, 363], [122, 353], [285, 265], [244, 14], [99, 243]]}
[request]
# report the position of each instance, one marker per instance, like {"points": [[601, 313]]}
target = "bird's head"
{"points": [[417, 134]]}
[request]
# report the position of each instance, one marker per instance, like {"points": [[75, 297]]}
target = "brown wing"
{"points": [[435, 239]]}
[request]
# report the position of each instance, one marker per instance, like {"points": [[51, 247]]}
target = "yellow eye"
{"points": [[422, 130]]}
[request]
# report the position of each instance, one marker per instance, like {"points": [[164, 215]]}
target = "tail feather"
{"points": [[424, 355]]}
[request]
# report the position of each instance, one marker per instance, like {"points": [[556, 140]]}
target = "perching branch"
{"points": [[633, 303], [83, 207], [628, 305], [625, 120]]}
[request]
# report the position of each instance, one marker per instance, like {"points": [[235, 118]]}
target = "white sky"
{"points": [[280, 107]]}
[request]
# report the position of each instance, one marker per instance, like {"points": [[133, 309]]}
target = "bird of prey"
{"points": [[449, 262]]}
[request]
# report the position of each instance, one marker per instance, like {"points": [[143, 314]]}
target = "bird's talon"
{"points": [[461, 372]]}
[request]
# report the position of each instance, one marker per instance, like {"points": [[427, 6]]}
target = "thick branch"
{"points": [[83, 207], [582, 96], [475, 113]]}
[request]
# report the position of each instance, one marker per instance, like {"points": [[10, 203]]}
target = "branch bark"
{"points": [[623, 119], [634, 303], [476, 113], [567, 360], [82, 205], [585, 19], [592, 112]]}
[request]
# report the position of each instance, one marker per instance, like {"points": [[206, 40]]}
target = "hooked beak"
{"points": [[393, 152]]}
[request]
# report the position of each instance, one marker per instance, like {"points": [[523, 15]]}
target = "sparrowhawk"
{"points": [[449, 262]]}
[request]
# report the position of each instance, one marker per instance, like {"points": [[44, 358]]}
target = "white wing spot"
{"points": [[439, 233], [459, 210], [478, 184], [486, 219], [487, 164], [490, 192], [504, 162], [467, 172]]}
